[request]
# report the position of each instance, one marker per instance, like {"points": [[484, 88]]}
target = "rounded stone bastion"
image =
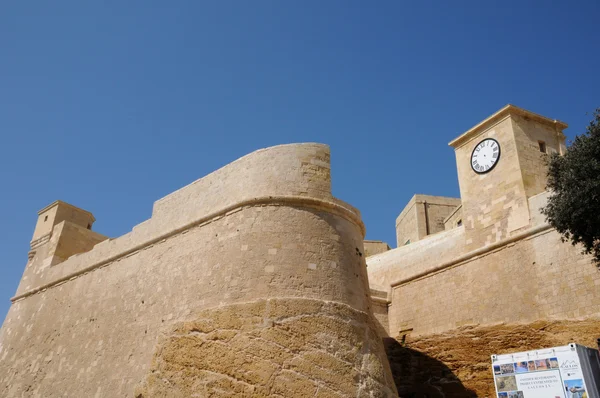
{"points": [[249, 282]]}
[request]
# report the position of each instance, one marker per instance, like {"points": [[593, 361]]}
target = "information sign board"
{"points": [[551, 373]]}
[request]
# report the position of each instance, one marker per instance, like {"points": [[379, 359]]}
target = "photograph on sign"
{"points": [[575, 388], [506, 383], [521, 367], [553, 373]]}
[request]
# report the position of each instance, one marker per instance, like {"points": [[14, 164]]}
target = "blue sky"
{"points": [[112, 105]]}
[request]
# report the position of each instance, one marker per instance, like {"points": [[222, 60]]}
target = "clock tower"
{"points": [[500, 166]]}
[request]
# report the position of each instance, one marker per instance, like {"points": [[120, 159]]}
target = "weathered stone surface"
{"points": [[535, 278], [278, 347], [457, 363]]}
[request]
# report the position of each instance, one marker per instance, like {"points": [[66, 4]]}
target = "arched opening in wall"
{"points": [[459, 223]]}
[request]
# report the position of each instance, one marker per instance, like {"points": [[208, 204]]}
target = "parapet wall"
{"points": [[272, 273], [286, 170], [286, 174], [412, 260], [535, 278]]}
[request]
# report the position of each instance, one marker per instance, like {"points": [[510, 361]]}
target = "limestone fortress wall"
{"points": [[484, 273], [525, 278], [248, 282], [493, 259], [252, 281]]}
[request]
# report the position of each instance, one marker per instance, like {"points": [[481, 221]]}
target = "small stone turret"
{"points": [[54, 214], [62, 230]]}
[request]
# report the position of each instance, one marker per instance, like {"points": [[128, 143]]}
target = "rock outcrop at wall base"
{"points": [[271, 348], [457, 363]]}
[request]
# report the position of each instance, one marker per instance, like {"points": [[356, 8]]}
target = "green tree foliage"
{"points": [[574, 179]]}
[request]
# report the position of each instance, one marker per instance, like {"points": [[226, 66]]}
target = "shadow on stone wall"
{"points": [[457, 363], [419, 376]]}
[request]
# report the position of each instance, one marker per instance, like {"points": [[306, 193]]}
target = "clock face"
{"points": [[485, 156]]}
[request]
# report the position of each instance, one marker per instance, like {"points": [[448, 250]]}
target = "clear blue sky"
{"points": [[112, 105]]}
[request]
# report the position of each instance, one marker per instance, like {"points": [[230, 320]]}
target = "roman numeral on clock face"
{"points": [[485, 156]]}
